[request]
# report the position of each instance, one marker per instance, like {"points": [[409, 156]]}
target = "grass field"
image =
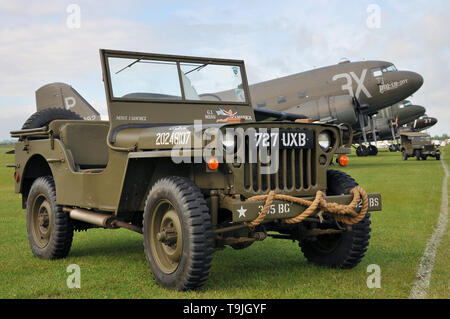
{"points": [[113, 264]]}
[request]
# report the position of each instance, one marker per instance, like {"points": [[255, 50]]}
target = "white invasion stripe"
{"points": [[419, 289]]}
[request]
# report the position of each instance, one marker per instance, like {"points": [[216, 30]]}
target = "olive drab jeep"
{"points": [[183, 161], [418, 145]]}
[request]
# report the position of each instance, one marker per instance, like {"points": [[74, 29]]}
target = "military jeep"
{"points": [[418, 145], [150, 169]]}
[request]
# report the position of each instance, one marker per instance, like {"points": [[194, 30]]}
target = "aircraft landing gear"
{"points": [[373, 150], [394, 147], [361, 150], [370, 150]]}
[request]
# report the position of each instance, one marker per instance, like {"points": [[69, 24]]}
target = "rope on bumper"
{"points": [[342, 213]]}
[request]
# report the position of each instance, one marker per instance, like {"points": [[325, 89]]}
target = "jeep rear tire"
{"points": [[50, 230], [177, 231], [343, 250]]}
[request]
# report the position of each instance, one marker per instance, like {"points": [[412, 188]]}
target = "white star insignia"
{"points": [[242, 212]]}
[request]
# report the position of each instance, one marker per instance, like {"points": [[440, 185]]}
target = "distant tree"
{"points": [[443, 137], [7, 142]]}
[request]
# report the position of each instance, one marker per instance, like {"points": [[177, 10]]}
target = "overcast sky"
{"points": [[275, 38]]}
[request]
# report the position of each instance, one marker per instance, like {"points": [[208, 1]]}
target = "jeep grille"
{"points": [[299, 172]]}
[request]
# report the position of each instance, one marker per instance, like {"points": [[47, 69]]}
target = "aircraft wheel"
{"points": [[362, 151], [392, 148], [397, 147], [373, 150]]}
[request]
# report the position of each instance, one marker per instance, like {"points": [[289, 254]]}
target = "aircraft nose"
{"points": [[410, 113], [401, 84], [417, 110], [416, 80], [431, 120]]}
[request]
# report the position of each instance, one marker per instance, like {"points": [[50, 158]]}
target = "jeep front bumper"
{"points": [[246, 211]]}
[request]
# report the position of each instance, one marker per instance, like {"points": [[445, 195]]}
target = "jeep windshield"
{"points": [[149, 79], [421, 139]]}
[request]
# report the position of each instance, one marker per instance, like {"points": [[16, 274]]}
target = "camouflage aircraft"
{"points": [[348, 92]]}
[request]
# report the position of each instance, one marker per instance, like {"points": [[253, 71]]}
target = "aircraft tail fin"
{"points": [[62, 95]]}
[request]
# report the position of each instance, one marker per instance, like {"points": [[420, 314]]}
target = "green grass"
{"points": [[113, 265], [440, 278]]}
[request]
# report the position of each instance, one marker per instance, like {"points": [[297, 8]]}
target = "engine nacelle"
{"points": [[333, 109]]}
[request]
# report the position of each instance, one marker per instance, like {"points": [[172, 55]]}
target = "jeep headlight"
{"points": [[324, 141], [228, 143]]}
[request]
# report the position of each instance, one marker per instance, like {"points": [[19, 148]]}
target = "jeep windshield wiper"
{"points": [[129, 65], [197, 68]]}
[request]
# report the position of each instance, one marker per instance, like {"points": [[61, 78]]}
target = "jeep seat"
{"points": [[87, 144]]}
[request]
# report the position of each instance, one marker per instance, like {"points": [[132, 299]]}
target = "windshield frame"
{"points": [[106, 54]]}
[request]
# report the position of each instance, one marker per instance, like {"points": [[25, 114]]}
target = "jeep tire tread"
{"points": [[44, 117], [192, 217], [50, 230], [349, 247]]}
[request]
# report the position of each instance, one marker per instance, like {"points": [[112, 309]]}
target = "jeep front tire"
{"points": [[177, 231], [343, 250]]}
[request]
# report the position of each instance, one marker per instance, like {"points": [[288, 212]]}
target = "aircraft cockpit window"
{"points": [[390, 68], [282, 99], [302, 95]]}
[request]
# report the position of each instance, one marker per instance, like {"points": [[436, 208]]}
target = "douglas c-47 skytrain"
{"points": [[348, 92]]}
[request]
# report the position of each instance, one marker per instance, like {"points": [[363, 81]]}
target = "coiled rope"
{"points": [[342, 213]]}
